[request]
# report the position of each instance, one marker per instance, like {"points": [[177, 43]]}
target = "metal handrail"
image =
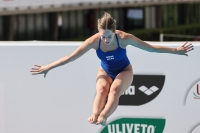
{"points": [[176, 35]]}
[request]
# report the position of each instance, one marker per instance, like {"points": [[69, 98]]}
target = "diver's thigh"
{"points": [[122, 81], [103, 80]]}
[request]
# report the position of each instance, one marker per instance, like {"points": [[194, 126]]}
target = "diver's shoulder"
{"points": [[123, 35], [94, 38]]}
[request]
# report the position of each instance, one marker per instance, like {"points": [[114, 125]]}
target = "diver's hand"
{"points": [[182, 50], [40, 70]]}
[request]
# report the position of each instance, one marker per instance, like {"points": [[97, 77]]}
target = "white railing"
{"points": [[176, 35]]}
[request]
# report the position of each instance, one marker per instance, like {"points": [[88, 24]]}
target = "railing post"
{"points": [[161, 37]]}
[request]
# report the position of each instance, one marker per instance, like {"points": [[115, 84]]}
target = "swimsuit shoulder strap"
{"points": [[99, 43], [117, 40]]}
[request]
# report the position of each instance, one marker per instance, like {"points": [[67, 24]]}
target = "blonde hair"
{"points": [[106, 22]]}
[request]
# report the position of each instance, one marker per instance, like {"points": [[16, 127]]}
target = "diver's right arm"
{"points": [[85, 47], [82, 49]]}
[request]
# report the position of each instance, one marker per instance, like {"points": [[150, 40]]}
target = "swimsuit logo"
{"points": [[143, 89], [110, 57], [135, 125]]}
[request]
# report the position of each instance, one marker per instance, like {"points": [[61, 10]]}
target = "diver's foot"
{"points": [[93, 118], [101, 120]]}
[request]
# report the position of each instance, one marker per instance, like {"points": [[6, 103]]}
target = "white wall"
{"points": [[63, 100]]}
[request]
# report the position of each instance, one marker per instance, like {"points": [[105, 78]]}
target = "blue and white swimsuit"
{"points": [[113, 62]]}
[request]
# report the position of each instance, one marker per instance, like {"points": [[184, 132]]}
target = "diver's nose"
{"points": [[106, 40]]}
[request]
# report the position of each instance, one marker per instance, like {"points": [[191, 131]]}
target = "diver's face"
{"points": [[107, 36]]}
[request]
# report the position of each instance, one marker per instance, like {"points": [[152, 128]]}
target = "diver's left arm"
{"points": [[181, 50]]}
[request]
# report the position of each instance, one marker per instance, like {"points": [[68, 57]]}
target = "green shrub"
{"points": [[154, 34]]}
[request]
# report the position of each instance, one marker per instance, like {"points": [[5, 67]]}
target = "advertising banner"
{"points": [[2, 108], [164, 96]]}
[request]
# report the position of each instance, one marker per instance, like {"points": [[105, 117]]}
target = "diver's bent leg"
{"points": [[102, 88], [121, 83]]}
